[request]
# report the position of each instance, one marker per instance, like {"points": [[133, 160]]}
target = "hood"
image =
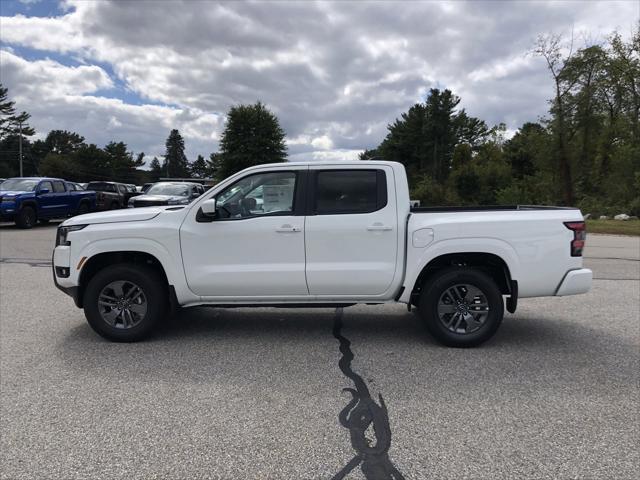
{"points": [[157, 198], [12, 193], [113, 216]]}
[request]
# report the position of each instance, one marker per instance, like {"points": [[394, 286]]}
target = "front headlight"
{"points": [[63, 232]]}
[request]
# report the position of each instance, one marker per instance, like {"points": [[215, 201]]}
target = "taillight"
{"points": [[579, 236]]}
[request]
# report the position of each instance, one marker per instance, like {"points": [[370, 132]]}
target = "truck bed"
{"points": [[486, 208]]}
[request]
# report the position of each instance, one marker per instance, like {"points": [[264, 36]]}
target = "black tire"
{"points": [[154, 294], [83, 208], [436, 293], [26, 217], [114, 206]]}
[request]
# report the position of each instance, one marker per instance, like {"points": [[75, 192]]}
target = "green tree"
{"points": [[9, 156], [10, 121], [550, 48], [63, 142], [121, 165], [199, 167], [252, 136], [213, 166], [175, 162], [156, 169], [424, 138], [525, 150]]}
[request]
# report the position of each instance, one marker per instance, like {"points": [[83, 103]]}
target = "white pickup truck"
{"points": [[318, 234]]}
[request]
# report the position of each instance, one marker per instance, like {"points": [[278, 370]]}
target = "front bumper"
{"points": [[575, 282], [60, 260], [7, 214]]}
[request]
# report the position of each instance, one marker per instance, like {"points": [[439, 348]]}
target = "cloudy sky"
{"points": [[335, 73]]}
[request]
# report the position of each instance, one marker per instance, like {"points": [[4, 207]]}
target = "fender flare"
{"points": [[172, 266], [486, 245]]}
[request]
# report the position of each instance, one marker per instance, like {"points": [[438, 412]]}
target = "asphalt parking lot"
{"points": [[257, 393]]}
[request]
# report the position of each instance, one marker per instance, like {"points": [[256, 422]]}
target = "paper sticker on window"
{"points": [[277, 198]]}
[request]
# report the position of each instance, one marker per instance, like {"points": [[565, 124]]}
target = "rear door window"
{"points": [[58, 187], [350, 191]]}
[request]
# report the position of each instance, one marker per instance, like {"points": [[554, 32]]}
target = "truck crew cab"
{"points": [[319, 234], [27, 200]]}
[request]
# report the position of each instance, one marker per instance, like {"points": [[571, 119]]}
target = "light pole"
{"points": [[20, 146]]}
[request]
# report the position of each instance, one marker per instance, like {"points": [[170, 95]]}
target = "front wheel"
{"points": [[461, 307], [26, 217], [123, 303]]}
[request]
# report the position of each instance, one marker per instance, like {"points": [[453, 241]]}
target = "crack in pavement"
{"points": [[34, 262], [361, 414]]}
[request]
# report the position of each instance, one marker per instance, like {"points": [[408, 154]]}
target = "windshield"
{"points": [[169, 189], [101, 187], [19, 185]]}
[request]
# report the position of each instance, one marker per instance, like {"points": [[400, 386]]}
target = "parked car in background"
{"points": [[73, 186], [319, 234], [27, 200], [131, 191], [146, 187], [168, 193], [110, 195]]}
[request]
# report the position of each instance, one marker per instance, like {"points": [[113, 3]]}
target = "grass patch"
{"points": [[616, 227]]}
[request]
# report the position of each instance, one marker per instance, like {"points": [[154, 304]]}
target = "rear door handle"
{"points": [[378, 227], [288, 229]]}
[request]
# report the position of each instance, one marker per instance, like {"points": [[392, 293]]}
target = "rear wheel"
{"points": [[83, 208], [26, 217], [461, 307], [123, 303], [114, 206]]}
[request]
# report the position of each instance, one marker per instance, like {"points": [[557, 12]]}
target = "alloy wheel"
{"points": [[463, 308], [122, 304]]}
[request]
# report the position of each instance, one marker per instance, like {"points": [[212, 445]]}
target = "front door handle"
{"points": [[378, 227], [288, 229]]}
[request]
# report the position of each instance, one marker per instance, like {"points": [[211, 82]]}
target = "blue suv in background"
{"points": [[27, 200]]}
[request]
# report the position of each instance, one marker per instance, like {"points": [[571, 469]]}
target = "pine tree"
{"points": [[175, 163], [9, 120], [252, 136], [156, 169], [199, 167]]}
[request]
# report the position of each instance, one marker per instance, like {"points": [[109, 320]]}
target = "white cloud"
{"points": [[50, 77], [56, 96], [335, 73]]}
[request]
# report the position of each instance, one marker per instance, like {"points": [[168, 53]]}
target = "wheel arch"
{"points": [[99, 261], [29, 203], [491, 264]]}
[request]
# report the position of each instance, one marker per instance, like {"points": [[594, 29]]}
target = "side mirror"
{"points": [[42, 191], [209, 207]]}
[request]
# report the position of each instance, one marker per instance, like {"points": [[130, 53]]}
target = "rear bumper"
{"points": [[575, 282]]}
